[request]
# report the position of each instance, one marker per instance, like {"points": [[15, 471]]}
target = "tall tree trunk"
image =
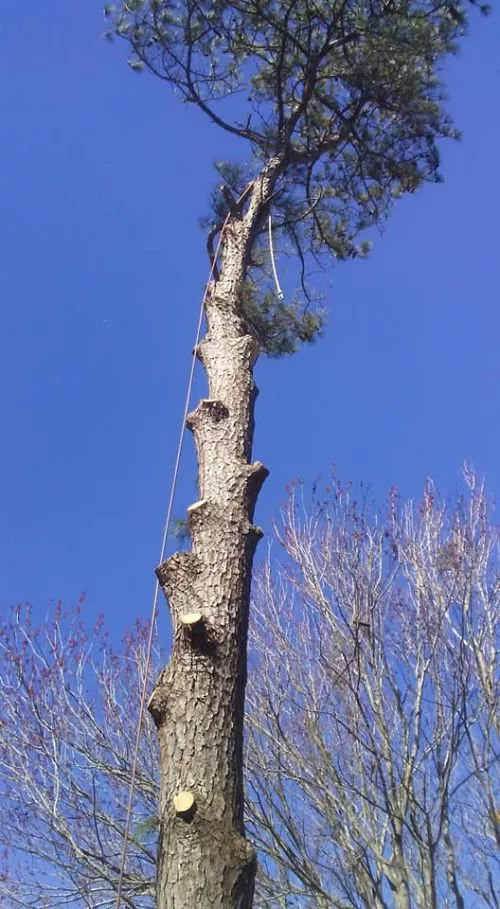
{"points": [[204, 859]]}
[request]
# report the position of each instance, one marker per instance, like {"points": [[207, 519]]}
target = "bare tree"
{"points": [[68, 713], [343, 116], [373, 715]]}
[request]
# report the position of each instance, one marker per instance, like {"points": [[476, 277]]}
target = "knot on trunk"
{"points": [[216, 410]]}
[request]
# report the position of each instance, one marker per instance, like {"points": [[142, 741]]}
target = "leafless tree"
{"points": [[372, 746], [373, 712], [68, 714]]}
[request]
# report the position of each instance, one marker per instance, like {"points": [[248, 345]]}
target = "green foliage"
{"points": [[348, 95], [279, 327]]}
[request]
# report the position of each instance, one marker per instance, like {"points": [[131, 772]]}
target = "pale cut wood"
{"points": [[184, 802], [191, 619], [195, 506]]}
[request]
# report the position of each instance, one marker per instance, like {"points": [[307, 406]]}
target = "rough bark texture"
{"points": [[204, 859]]}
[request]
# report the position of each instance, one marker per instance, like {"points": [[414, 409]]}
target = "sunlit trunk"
{"points": [[198, 704]]}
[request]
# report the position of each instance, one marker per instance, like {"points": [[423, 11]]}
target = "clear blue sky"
{"points": [[103, 177]]}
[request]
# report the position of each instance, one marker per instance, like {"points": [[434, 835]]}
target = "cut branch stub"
{"points": [[184, 804], [257, 473], [191, 621], [196, 506], [200, 637], [197, 515], [159, 701], [180, 570], [253, 536], [216, 409]]}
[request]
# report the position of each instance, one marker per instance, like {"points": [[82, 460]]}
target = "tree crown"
{"points": [[347, 94]]}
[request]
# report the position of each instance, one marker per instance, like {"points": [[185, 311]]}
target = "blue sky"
{"points": [[103, 176]]}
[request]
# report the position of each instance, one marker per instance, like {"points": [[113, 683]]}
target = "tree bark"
{"points": [[204, 859]]}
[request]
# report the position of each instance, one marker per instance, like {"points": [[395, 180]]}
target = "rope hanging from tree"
{"points": [[281, 295]]}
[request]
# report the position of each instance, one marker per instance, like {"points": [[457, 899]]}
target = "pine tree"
{"points": [[343, 114]]}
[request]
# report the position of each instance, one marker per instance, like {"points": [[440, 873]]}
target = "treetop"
{"points": [[347, 94]]}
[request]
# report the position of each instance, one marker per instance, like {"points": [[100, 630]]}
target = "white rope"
{"points": [[281, 295]]}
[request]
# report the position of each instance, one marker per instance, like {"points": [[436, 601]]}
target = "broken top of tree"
{"points": [[346, 94]]}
